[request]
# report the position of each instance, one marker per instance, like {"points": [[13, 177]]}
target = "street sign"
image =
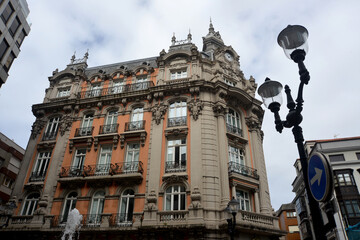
{"points": [[320, 177]]}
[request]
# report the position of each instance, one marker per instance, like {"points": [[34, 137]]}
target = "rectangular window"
{"points": [[20, 38], [244, 200], [337, 158], [291, 214], [4, 46], [14, 26], [51, 129], [228, 82], [343, 178], [41, 166], [293, 229], [103, 165], [8, 182], [64, 92], [9, 61], [132, 157], [5, 16], [78, 162], [178, 74], [176, 155]]}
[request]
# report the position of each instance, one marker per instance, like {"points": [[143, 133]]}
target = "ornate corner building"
{"points": [[153, 148]]}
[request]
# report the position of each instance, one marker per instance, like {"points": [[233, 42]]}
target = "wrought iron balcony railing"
{"points": [[109, 128], [177, 121], [49, 136], [85, 131], [171, 166], [37, 176], [115, 90], [235, 130], [243, 170], [134, 126], [102, 169]]}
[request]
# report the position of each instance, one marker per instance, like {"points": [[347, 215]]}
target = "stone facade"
{"points": [[153, 148]]}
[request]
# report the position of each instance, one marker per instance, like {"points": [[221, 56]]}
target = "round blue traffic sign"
{"points": [[320, 177]]}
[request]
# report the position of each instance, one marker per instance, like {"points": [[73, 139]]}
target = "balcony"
{"points": [[85, 131], [243, 170], [234, 130], [179, 216], [116, 90], [171, 166], [101, 173], [37, 177], [121, 220], [177, 121], [109, 128], [135, 126], [48, 136]]}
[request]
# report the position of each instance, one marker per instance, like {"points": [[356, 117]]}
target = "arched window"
{"points": [[233, 122], [70, 203], [30, 204], [118, 86], [127, 206], [175, 198], [97, 207], [177, 114]]}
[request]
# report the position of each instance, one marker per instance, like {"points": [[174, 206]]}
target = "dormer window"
{"points": [[63, 92], [228, 82], [178, 74]]}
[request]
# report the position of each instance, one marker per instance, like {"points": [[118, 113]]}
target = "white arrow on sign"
{"points": [[317, 176]]}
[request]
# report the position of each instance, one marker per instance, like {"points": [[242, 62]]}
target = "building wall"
{"points": [[210, 177], [11, 38]]}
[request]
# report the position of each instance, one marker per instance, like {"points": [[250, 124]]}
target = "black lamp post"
{"points": [[232, 208], [293, 39]]}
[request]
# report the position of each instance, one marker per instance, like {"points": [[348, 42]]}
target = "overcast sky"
{"points": [[116, 31]]}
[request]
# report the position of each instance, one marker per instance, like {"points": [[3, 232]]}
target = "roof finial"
{"points": [[86, 56], [173, 39], [72, 58], [189, 37], [211, 27]]}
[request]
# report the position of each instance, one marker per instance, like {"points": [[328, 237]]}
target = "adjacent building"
{"points": [[344, 156], [13, 29], [11, 156], [288, 221], [152, 148]]}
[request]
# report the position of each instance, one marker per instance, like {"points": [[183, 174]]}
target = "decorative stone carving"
{"points": [[174, 178], [122, 141], [195, 108], [195, 199], [65, 124], [151, 201], [37, 126], [183, 131], [220, 109], [43, 202], [253, 123], [158, 113]]}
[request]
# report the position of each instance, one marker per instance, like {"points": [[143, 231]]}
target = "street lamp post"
{"points": [[232, 208], [293, 40]]}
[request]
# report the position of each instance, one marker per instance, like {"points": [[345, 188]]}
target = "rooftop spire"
{"points": [[211, 27]]}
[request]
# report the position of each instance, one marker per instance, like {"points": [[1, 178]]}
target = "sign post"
{"points": [[320, 177]]}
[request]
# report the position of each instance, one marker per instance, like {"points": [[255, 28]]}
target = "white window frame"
{"points": [[79, 158], [110, 122], [63, 92], [86, 124], [178, 109], [118, 85], [7, 182], [230, 83], [178, 74], [175, 198], [176, 151], [96, 90], [244, 200], [52, 126], [236, 155], [97, 207], [132, 157], [42, 163], [30, 204], [104, 161], [233, 118], [126, 206], [69, 204]]}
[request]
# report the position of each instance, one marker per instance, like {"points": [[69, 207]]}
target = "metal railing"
{"points": [[177, 121], [115, 90], [85, 131], [243, 170], [171, 166], [49, 136], [235, 130], [134, 126], [109, 128], [37, 177], [102, 169], [121, 219]]}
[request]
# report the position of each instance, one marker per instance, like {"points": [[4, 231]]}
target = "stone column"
{"points": [[257, 204]]}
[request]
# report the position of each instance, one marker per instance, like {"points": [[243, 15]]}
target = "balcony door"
{"points": [[86, 125], [97, 207], [103, 165], [110, 122], [136, 119], [127, 206], [132, 157]]}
